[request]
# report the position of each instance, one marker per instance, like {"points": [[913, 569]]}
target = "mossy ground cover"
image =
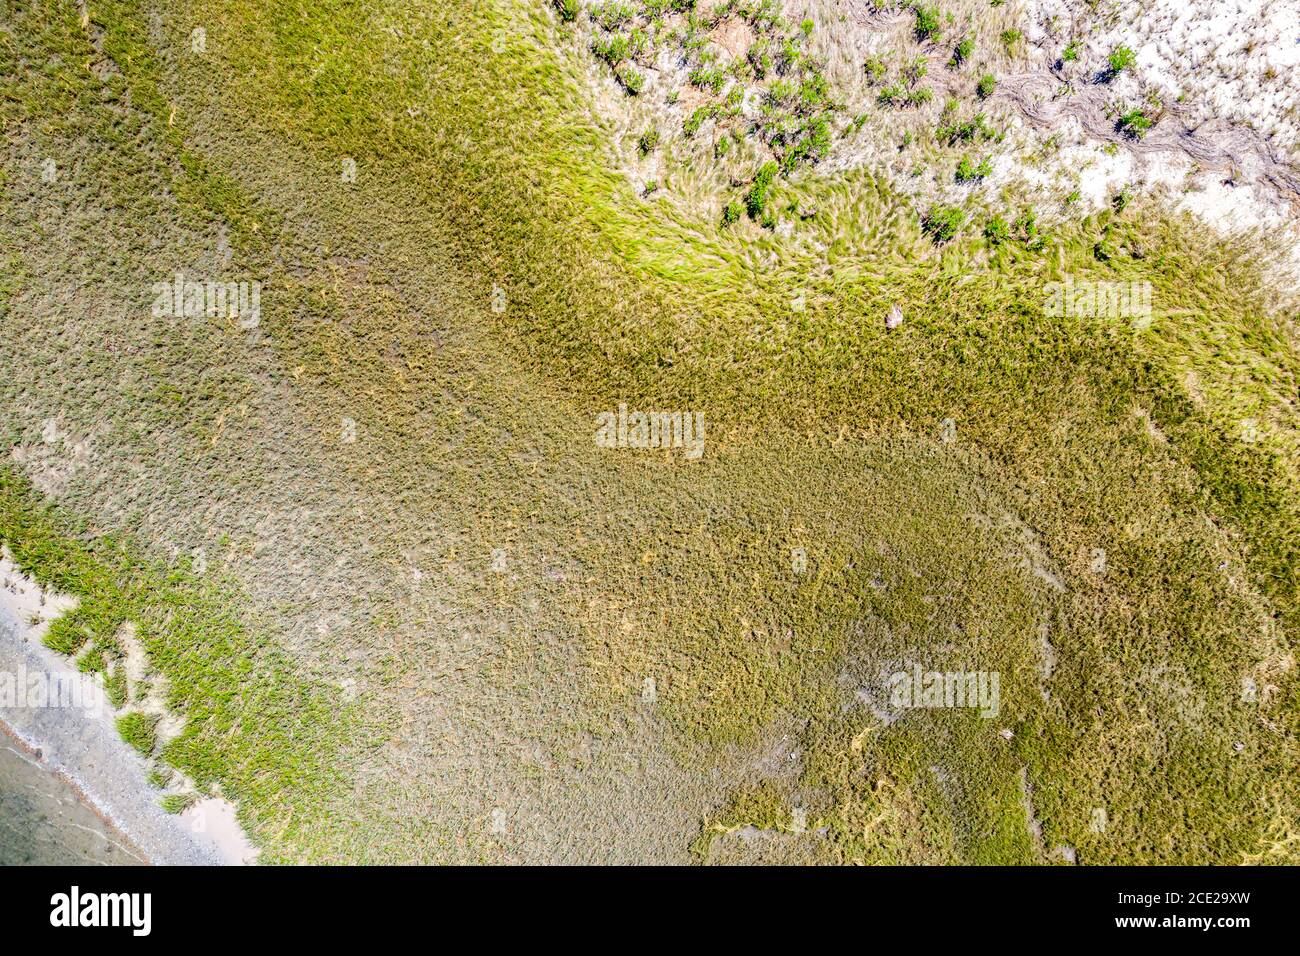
{"points": [[477, 171]]}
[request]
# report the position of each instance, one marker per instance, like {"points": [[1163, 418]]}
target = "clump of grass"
{"points": [[633, 80], [895, 94], [612, 49], [875, 69], [1011, 40], [648, 141], [699, 116], [139, 730], [64, 637], [115, 687], [759, 58], [567, 9], [962, 52], [920, 96], [1135, 123], [91, 662], [986, 85], [942, 223], [1070, 53], [1103, 250], [976, 127], [611, 16], [177, 802], [997, 231], [812, 140], [969, 171], [905, 92], [1120, 59], [927, 25], [708, 77], [1026, 229], [756, 198], [732, 212]]}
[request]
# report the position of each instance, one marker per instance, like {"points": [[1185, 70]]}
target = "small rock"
{"points": [[1005, 733], [894, 319], [1238, 747]]}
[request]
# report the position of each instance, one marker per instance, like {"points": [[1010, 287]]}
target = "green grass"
{"points": [[139, 730], [962, 52], [1134, 123], [969, 171], [1072, 434], [944, 222], [1120, 59], [927, 25], [176, 803]]}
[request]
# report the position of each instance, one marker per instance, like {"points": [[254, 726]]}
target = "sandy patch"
{"points": [[215, 821], [1237, 61], [734, 36], [52, 461], [26, 601]]}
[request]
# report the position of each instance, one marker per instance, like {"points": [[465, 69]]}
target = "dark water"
{"points": [[43, 821]]}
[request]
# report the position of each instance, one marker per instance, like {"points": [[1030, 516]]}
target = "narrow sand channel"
{"points": [[80, 749]]}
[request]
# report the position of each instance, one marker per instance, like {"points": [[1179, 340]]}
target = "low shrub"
{"points": [[1120, 60], [942, 223], [927, 23], [997, 231], [1134, 123], [972, 172]]}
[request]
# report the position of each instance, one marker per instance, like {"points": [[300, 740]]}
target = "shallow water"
{"points": [[44, 822]]}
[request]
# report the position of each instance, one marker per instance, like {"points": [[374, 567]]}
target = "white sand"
{"points": [[1237, 60]]}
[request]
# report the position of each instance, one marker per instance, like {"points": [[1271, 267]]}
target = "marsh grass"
{"points": [[1073, 434]]}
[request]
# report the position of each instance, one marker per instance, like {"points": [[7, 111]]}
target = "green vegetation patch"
{"points": [[950, 482]]}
